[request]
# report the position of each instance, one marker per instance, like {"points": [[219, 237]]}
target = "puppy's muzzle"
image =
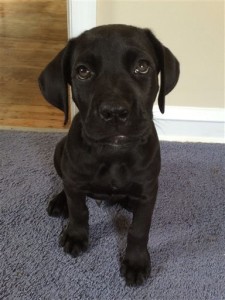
{"points": [[114, 112]]}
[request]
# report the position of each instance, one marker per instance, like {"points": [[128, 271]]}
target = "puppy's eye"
{"points": [[142, 67], [83, 73]]}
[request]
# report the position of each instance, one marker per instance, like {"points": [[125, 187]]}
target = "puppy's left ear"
{"points": [[169, 68], [53, 81]]}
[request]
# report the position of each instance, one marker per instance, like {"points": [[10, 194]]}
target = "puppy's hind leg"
{"points": [[58, 206]]}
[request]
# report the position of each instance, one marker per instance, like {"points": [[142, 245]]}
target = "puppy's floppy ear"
{"points": [[169, 68], [53, 81]]}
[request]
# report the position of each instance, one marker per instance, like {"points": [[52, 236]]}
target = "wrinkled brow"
{"points": [[88, 59]]}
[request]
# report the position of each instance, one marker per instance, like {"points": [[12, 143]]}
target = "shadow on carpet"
{"points": [[187, 237]]}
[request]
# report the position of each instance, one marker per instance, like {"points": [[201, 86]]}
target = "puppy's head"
{"points": [[113, 72]]}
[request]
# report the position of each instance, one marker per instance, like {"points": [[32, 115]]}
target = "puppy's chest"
{"points": [[110, 178], [116, 175]]}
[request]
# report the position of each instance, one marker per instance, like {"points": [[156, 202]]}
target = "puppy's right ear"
{"points": [[53, 81]]}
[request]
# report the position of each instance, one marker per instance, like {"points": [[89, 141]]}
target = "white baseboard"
{"points": [[190, 124]]}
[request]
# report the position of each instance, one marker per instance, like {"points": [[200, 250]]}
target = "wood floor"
{"points": [[31, 34]]}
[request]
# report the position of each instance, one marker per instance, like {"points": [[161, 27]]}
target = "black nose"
{"points": [[111, 111]]}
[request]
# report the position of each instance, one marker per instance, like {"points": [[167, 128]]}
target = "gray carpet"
{"points": [[187, 239]]}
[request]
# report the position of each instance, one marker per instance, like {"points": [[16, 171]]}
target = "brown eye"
{"points": [[83, 73], [142, 67]]}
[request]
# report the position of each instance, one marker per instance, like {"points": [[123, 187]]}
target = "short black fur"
{"points": [[112, 150]]}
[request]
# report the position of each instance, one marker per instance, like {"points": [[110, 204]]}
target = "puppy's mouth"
{"points": [[116, 141]]}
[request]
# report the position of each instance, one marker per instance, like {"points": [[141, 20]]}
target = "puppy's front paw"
{"points": [[58, 206], [137, 270], [73, 242]]}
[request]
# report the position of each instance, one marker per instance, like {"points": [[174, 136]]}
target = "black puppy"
{"points": [[112, 149]]}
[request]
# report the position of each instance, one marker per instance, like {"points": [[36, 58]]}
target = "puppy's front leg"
{"points": [[74, 237], [136, 264]]}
